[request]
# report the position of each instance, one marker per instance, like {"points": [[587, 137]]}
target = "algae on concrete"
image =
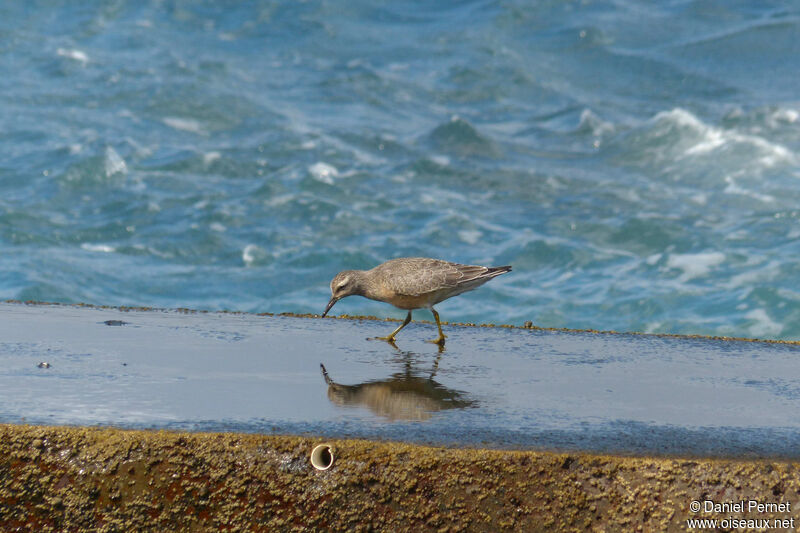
{"points": [[80, 479]]}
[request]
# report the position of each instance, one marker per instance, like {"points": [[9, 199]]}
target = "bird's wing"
{"points": [[418, 276]]}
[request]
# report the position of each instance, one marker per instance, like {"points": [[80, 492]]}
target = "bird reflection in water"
{"points": [[404, 396]]}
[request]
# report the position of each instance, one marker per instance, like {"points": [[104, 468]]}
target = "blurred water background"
{"points": [[637, 163]]}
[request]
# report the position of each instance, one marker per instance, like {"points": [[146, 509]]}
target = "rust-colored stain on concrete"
{"points": [[79, 479]]}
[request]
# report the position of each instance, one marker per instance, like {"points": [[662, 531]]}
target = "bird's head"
{"points": [[345, 283]]}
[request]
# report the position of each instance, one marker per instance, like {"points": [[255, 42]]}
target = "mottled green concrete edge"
{"points": [[92, 479], [527, 326]]}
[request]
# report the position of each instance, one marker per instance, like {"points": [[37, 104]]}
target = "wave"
{"points": [[460, 138], [738, 158]]}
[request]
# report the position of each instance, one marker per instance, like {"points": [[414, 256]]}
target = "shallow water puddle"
{"points": [[490, 387]]}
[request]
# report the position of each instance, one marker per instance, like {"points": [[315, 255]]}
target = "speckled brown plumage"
{"points": [[412, 283]]}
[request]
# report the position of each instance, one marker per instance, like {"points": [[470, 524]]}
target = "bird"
{"points": [[412, 283]]}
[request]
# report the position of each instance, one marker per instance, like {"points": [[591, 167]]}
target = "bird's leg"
{"points": [[442, 336], [390, 337]]}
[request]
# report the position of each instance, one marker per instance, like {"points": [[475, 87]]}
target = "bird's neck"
{"points": [[360, 286]]}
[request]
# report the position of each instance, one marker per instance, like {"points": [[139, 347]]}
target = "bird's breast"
{"points": [[403, 301]]}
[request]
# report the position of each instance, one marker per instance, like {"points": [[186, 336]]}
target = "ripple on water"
{"points": [[636, 177]]}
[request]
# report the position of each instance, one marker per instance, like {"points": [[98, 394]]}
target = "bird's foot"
{"points": [[439, 341], [389, 339]]}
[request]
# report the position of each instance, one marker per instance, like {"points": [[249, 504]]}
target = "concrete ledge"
{"points": [[528, 325], [79, 479]]}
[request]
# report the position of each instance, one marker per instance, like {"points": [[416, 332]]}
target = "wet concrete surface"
{"points": [[490, 387]]}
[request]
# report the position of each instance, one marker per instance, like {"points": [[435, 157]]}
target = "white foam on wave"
{"points": [[783, 116], [114, 164], [708, 139], [734, 188], [210, 157], [441, 160], [104, 248], [763, 325], [323, 172], [694, 265], [755, 272], [441, 197], [74, 54], [183, 124], [279, 200], [252, 253], [558, 281], [653, 259], [592, 123], [470, 236]]}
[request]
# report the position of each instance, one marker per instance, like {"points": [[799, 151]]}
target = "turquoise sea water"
{"points": [[637, 163]]}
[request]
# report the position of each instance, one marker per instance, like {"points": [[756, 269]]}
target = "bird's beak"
{"points": [[330, 304]]}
